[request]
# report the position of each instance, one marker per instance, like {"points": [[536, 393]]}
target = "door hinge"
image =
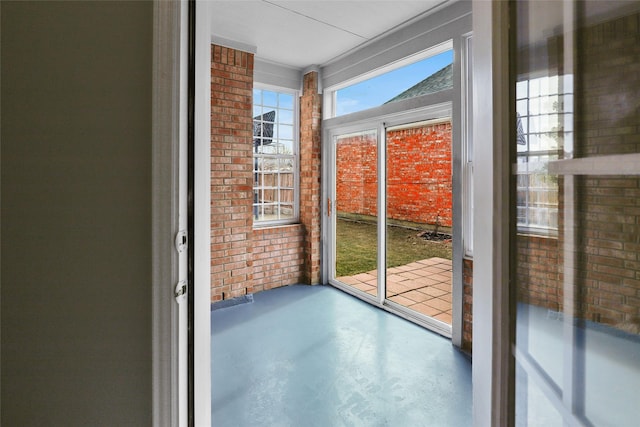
{"points": [[182, 241], [328, 206], [181, 291]]}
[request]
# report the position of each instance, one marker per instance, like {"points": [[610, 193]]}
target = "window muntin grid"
{"points": [[275, 164]]}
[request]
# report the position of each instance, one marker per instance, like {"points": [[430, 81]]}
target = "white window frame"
{"points": [[467, 145], [296, 156], [331, 93]]}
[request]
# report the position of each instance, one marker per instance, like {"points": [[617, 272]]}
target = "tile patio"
{"points": [[423, 286]]}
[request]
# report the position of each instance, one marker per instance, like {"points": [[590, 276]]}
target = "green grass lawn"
{"points": [[356, 250]]}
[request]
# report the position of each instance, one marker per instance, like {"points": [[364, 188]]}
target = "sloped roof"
{"points": [[440, 80]]}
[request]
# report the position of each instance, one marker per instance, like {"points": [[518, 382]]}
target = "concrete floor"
{"points": [[423, 286], [316, 356]]}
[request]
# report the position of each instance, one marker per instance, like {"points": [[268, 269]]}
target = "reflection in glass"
{"points": [[576, 275]]}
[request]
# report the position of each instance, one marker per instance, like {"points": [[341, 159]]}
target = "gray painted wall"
{"points": [[76, 213]]}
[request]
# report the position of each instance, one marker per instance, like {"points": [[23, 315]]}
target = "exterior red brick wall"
{"points": [[419, 175], [357, 175], [310, 176]]}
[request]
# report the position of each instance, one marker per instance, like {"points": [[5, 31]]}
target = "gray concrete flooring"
{"points": [[315, 356]]}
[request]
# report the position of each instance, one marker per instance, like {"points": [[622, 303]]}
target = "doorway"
{"points": [[390, 217]]}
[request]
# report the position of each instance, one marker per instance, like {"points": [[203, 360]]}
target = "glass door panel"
{"points": [[419, 218], [576, 210], [355, 210]]}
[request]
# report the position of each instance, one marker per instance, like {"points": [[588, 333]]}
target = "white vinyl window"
{"points": [[275, 158]]}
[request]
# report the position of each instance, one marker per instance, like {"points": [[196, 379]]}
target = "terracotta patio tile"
{"points": [[410, 275], [349, 280], [425, 281], [444, 286], [397, 288], [447, 297], [434, 292], [372, 282], [402, 300], [363, 286], [363, 277], [428, 261], [433, 269], [416, 296], [443, 317], [414, 265], [440, 305], [425, 309]]}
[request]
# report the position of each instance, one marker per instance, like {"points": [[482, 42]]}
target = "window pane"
{"points": [[269, 99], [429, 75], [286, 101], [286, 117], [284, 131]]}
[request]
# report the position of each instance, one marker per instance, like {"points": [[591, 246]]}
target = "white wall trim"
{"points": [[270, 73], [432, 30], [244, 47], [492, 401]]}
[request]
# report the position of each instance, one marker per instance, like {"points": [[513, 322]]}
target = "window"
{"points": [[544, 130], [275, 158], [429, 75]]}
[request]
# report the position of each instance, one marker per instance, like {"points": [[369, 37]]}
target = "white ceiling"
{"points": [[301, 33]]}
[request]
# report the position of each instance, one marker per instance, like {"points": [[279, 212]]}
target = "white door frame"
{"points": [[492, 401], [170, 62], [167, 139]]}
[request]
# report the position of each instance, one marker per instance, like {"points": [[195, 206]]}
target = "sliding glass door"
{"points": [[389, 209]]}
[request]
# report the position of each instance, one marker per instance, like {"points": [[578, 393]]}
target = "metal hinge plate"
{"points": [[180, 293]]}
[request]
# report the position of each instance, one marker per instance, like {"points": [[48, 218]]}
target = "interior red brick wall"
{"points": [[231, 172], [243, 260], [310, 175], [419, 175], [277, 257]]}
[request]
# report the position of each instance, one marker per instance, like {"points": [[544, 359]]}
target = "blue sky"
{"points": [[378, 90]]}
